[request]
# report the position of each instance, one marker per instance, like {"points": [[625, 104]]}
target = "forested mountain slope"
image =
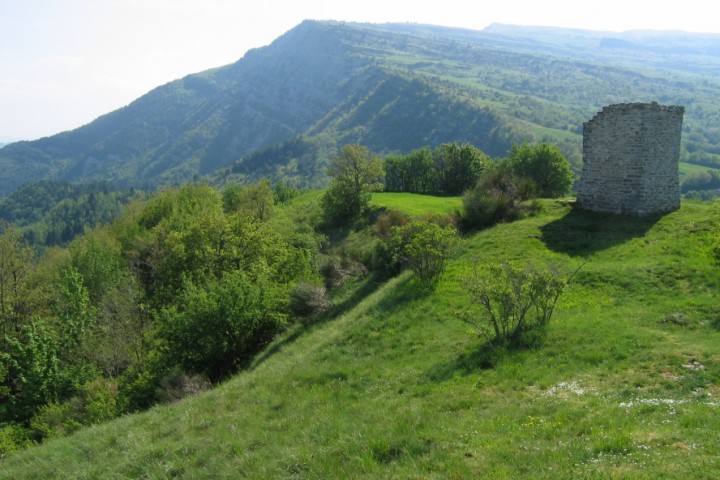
{"points": [[390, 87]]}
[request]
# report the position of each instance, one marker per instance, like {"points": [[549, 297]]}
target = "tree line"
{"points": [[492, 189]]}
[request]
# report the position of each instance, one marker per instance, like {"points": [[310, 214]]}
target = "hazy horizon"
{"points": [[62, 66]]}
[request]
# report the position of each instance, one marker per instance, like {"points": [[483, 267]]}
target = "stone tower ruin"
{"points": [[630, 159]]}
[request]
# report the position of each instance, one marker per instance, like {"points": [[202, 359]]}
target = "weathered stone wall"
{"points": [[630, 159]]}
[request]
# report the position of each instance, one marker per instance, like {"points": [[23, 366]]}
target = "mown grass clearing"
{"points": [[417, 205]]}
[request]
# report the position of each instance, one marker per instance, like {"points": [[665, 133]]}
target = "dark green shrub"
{"points": [[217, 327], [424, 248], [96, 402], [13, 438], [57, 419], [545, 165], [490, 203]]}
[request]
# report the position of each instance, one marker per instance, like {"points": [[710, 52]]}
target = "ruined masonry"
{"points": [[630, 159]]}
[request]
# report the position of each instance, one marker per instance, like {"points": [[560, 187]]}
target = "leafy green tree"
{"points": [[75, 313], [283, 193], [97, 257], [423, 247], [15, 266], [34, 371], [422, 166], [545, 165], [397, 173], [256, 200], [459, 167], [414, 172], [356, 172]]}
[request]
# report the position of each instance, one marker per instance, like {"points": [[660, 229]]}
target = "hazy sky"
{"points": [[65, 62]]}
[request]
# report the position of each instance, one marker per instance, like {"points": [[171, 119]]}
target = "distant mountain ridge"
{"points": [[393, 87]]}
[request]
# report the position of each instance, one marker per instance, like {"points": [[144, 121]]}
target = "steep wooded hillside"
{"points": [[391, 87]]}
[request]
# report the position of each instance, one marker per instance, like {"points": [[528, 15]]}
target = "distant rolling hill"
{"points": [[281, 111]]}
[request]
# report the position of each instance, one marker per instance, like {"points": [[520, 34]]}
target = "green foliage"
{"points": [[342, 203], [358, 166], [459, 167], [99, 401], [516, 304], [414, 172], [216, 327], [56, 420], [102, 307], [451, 169], [356, 172], [703, 180], [34, 370], [75, 313], [13, 437], [53, 213], [95, 402], [545, 165], [97, 258], [496, 198], [256, 200], [424, 248], [15, 266], [283, 193]]}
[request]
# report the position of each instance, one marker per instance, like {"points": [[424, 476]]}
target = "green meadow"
{"points": [[391, 384]]}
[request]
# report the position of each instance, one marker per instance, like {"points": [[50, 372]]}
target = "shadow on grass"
{"points": [[406, 290], [582, 233], [336, 311], [468, 362]]}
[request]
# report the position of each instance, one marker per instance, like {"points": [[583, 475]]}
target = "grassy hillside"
{"points": [[626, 385], [687, 168]]}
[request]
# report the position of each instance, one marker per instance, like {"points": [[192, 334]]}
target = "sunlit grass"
{"points": [[417, 205], [397, 386], [686, 168]]}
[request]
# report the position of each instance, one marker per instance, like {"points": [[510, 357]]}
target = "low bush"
{"points": [[13, 438], [495, 199], [424, 248], [512, 306]]}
